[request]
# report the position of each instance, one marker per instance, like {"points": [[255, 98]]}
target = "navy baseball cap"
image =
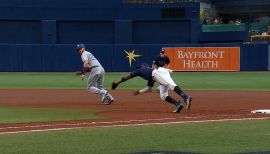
{"points": [[162, 50], [79, 46]]}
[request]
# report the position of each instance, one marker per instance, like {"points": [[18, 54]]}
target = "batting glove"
{"points": [[82, 76]]}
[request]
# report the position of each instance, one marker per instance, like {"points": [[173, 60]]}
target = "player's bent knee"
{"points": [[93, 90], [171, 87]]}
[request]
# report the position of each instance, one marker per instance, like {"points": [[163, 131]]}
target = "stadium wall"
{"points": [[268, 57], [97, 22], [63, 58], [221, 37], [39, 36]]}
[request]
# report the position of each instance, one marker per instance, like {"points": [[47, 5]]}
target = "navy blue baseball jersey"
{"points": [[161, 61], [145, 73]]}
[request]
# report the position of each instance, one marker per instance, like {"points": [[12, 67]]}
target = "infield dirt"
{"points": [[129, 109]]}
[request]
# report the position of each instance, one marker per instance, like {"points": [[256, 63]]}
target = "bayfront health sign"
{"points": [[204, 58]]}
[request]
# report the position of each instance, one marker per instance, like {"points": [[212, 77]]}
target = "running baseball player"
{"points": [[162, 76], [96, 74], [146, 72]]}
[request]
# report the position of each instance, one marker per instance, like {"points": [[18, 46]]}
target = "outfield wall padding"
{"points": [[268, 57], [63, 58]]}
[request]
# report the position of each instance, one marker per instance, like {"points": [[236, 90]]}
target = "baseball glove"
{"points": [[135, 93], [114, 85]]}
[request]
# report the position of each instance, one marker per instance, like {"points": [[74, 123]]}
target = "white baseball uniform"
{"points": [[162, 76]]}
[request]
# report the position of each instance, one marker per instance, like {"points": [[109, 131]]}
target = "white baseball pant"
{"points": [[163, 77]]}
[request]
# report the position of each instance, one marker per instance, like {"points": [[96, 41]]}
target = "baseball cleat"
{"points": [[108, 102], [179, 107], [188, 102], [103, 99], [103, 95], [108, 99]]}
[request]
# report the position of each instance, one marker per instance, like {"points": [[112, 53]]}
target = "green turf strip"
{"points": [[210, 137], [187, 80], [24, 115], [41, 80]]}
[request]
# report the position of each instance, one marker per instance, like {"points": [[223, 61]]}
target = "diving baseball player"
{"points": [[145, 72], [96, 74]]}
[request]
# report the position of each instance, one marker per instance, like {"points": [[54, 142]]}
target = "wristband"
{"points": [[85, 69]]}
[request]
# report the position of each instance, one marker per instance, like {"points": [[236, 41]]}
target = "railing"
{"points": [[259, 38], [223, 27], [259, 27], [159, 1]]}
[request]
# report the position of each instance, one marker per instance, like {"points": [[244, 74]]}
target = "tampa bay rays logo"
{"points": [[131, 56]]}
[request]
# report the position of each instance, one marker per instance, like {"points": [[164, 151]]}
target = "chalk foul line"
{"points": [[114, 124]]}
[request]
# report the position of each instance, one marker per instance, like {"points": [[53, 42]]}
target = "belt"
{"points": [[90, 68]]}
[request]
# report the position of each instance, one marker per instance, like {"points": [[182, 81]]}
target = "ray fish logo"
{"points": [[131, 55]]}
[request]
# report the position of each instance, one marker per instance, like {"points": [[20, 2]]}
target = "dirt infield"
{"points": [[128, 109]]}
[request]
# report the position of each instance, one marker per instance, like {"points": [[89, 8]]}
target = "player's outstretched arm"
{"points": [[144, 90], [169, 70], [115, 84]]}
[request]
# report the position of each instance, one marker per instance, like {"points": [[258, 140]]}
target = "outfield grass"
{"points": [[24, 115], [258, 81], [210, 137]]}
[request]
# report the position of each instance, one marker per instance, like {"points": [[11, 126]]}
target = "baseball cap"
{"points": [[79, 46], [162, 50]]}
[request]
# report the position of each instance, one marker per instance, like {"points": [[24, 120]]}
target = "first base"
{"points": [[264, 111]]}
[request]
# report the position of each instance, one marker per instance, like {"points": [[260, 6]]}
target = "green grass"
{"points": [[211, 137], [224, 80], [24, 115], [258, 81], [40, 80]]}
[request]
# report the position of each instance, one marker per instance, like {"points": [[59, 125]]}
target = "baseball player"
{"points": [[96, 74], [162, 76], [162, 60], [145, 72]]}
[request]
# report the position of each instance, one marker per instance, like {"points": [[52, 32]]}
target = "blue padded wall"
{"points": [[91, 32], [63, 58], [40, 36], [254, 57], [161, 32], [13, 31], [97, 22], [37, 58]]}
